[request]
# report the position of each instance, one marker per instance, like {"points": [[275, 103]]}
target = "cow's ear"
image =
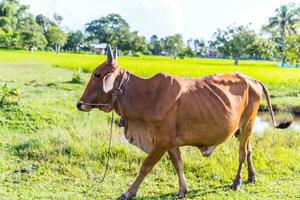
{"points": [[108, 82]]}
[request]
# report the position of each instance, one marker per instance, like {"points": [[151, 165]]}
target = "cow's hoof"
{"points": [[236, 185], [252, 179], [123, 197], [179, 195]]}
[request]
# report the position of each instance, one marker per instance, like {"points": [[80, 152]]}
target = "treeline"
{"points": [[279, 38]]}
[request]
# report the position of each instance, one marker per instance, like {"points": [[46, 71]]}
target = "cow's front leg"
{"points": [[175, 157], [154, 156]]}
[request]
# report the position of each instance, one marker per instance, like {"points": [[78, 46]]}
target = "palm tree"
{"points": [[285, 22]]}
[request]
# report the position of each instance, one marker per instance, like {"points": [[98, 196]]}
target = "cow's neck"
{"points": [[127, 101]]}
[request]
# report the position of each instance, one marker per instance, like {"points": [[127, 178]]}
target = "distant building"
{"points": [[211, 53], [98, 48], [164, 53], [288, 65]]}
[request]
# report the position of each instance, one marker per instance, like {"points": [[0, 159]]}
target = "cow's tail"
{"points": [[281, 125]]}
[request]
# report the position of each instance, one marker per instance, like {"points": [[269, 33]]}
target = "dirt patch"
{"points": [[35, 83]]}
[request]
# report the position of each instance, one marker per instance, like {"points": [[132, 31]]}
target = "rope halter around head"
{"points": [[115, 93]]}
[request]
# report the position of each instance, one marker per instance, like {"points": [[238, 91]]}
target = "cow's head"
{"points": [[101, 85]]}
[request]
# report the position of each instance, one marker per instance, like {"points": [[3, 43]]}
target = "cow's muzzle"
{"points": [[83, 107], [78, 105]]}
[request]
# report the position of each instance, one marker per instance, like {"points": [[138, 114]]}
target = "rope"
{"points": [[114, 95], [26, 118], [32, 131], [108, 156], [114, 98], [109, 145]]}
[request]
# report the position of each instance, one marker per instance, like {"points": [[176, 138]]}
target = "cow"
{"points": [[164, 112]]}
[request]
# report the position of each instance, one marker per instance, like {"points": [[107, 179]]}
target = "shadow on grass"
{"points": [[191, 193], [63, 85], [36, 83], [64, 82], [194, 192]]}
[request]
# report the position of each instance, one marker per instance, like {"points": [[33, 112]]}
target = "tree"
{"points": [[188, 52], [114, 30], [7, 38], [44, 22], [199, 46], [283, 24], [74, 39], [111, 29], [12, 14], [137, 43], [30, 40], [260, 49], [156, 45], [292, 52], [56, 37], [234, 41], [13, 18], [32, 37], [174, 45]]}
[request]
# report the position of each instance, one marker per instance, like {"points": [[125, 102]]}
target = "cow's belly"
{"points": [[208, 120], [206, 132], [138, 134]]}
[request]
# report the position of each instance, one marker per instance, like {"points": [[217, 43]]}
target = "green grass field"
{"points": [[64, 151], [267, 72], [281, 82]]}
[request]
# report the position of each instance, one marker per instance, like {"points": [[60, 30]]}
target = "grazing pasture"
{"points": [[50, 150], [284, 83]]}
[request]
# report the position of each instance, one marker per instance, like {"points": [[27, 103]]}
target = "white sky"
{"points": [[191, 18]]}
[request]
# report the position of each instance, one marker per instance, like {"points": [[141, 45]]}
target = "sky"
{"points": [[191, 18]]}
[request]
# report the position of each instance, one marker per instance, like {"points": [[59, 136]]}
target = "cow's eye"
{"points": [[97, 75]]}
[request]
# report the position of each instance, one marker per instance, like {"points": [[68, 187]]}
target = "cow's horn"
{"points": [[109, 54], [116, 53]]}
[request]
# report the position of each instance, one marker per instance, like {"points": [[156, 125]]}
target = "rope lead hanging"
{"points": [[108, 154]]}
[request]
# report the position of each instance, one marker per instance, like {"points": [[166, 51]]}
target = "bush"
{"points": [[9, 95], [137, 54], [77, 77], [12, 116], [181, 55]]}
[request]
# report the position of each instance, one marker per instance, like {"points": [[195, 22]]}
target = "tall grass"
{"points": [[267, 72]]}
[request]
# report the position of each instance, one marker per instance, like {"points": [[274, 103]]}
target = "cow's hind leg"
{"points": [[243, 149], [175, 157], [251, 170], [153, 157]]}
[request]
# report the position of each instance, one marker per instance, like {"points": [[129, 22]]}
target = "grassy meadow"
{"points": [[283, 83], [49, 150]]}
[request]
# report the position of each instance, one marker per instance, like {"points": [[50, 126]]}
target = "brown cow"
{"points": [[165, 112]]}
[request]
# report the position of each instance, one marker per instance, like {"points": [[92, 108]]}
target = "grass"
{"points": [[282, 82], [63, 151], [267, 72]]}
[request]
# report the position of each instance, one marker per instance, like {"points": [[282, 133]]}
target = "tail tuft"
{"points": [[284, 124], [281, 125]]}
